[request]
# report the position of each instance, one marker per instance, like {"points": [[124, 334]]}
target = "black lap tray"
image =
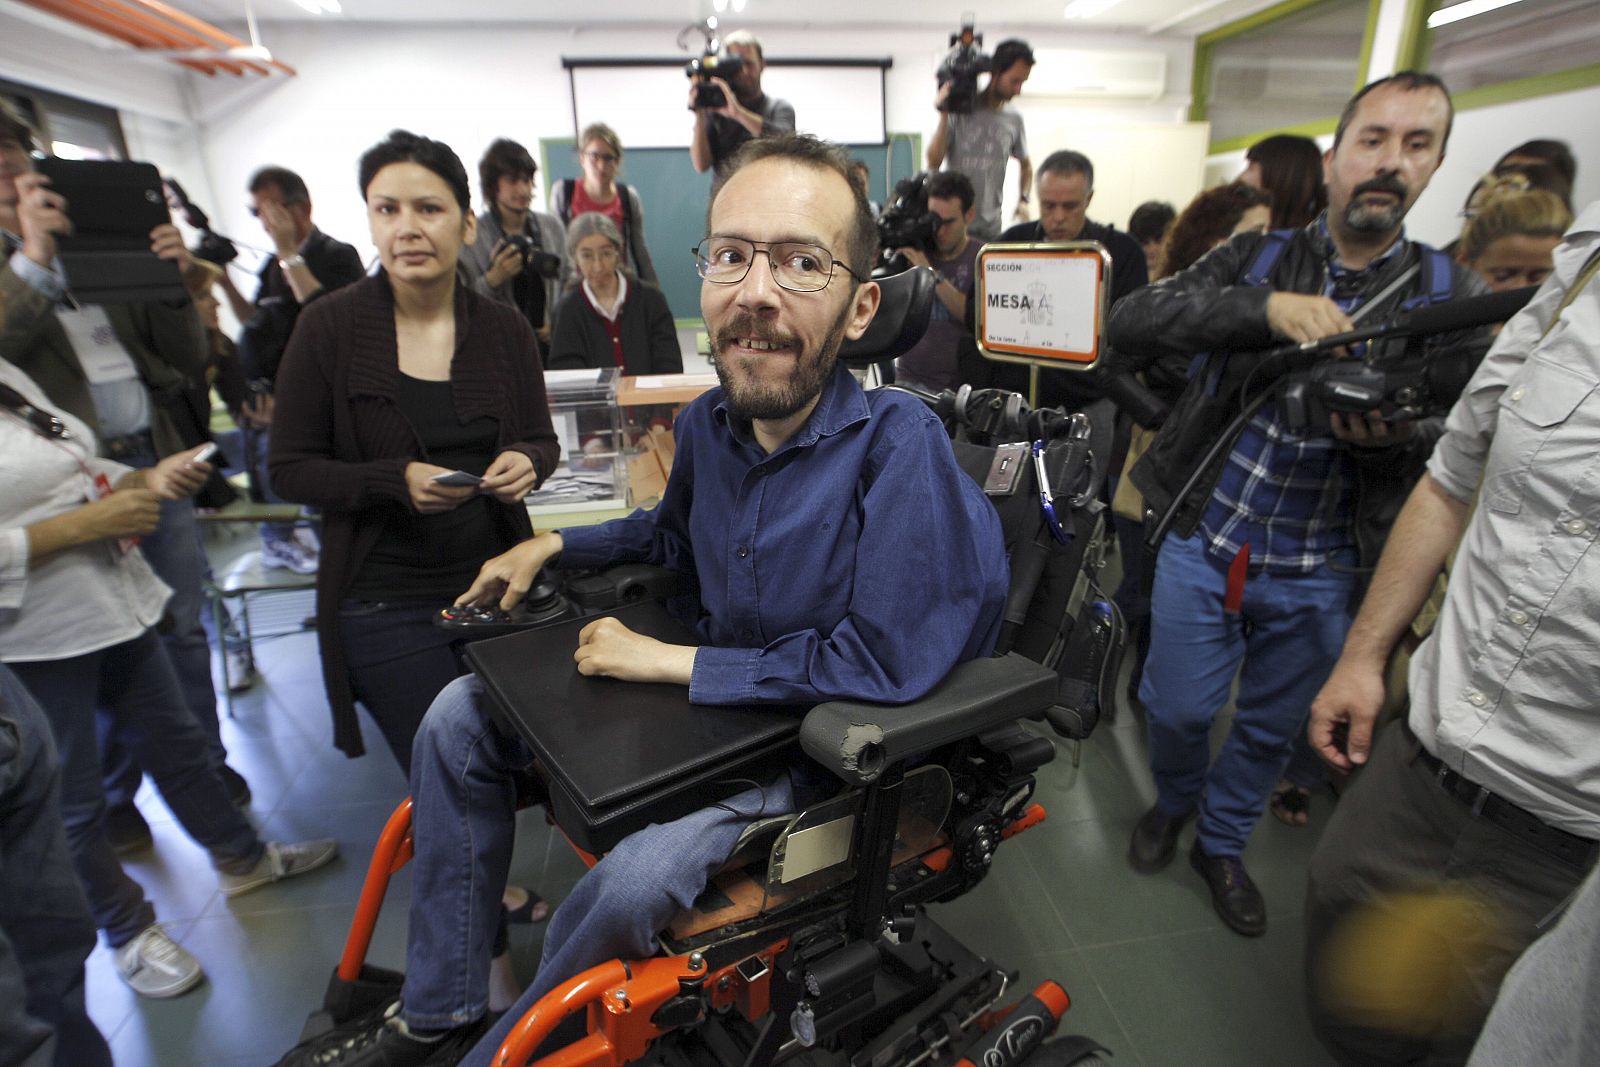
{"points": [[618, 756]]}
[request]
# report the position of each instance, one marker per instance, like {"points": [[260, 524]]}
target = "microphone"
{"points": [[1448, 317]]}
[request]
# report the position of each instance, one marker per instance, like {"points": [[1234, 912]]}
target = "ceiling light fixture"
{"points": [[1087, 9], [321, 7], [738, 6], [1465, 10]]}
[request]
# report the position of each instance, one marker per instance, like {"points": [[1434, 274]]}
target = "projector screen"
{"points": [[646, 101]]}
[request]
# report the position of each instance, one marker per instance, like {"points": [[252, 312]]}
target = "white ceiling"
{"points": [[1180, 17]]}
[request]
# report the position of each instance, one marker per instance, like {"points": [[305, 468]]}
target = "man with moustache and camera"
{"points": [[1267, 549], [520, 255], [745, 112]]}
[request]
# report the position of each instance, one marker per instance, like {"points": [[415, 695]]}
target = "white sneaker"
{"points": [[290, 554], [154, 965], [241, 669], [278, 862]]}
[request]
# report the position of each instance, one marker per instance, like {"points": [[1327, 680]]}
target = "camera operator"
{"points": [[520, 254], [308, 263], [979, 142], [932, 363], [745, 111], [1262, 564]]}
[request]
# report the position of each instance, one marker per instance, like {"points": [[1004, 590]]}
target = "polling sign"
{"points": [[1043, 304]]}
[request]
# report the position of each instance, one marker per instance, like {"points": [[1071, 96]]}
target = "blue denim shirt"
{"points": [[857, 561]]}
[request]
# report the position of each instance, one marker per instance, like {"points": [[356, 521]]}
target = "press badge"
{"points": [[102, 489]]}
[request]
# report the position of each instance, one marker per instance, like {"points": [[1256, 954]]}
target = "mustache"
{"points": [[747, 325], [1387, 184]]}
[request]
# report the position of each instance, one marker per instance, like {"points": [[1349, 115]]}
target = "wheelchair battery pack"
{"points": [[617, 756]]}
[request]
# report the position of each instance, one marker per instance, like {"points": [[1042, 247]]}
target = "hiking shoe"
{"points": [[385, 1041], [154, 965], [289, 554], [1233, 892], [127, 831], [277, 862]]}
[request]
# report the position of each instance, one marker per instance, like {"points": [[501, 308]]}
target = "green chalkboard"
{"points": [[674, 199]]}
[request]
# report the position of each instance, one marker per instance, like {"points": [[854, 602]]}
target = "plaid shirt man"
{"points": [[1288, 497]]}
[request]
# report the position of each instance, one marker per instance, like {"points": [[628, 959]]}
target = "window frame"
{"points": [[1205, 45], [1416, 47]]}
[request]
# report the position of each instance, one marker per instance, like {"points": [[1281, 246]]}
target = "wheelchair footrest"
{"points": [[345, 1002]]}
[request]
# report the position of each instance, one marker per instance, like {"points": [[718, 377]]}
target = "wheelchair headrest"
{"points": [[902, 318]]}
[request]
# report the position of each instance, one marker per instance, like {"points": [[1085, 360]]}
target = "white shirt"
{"points": [[615, 309], [1505, 689], [78, 601]]}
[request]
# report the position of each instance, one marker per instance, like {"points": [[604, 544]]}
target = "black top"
{"points": [[265, 337], [435, 557]]}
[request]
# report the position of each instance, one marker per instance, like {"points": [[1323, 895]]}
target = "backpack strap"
{"points": [[1255, 275], [1438, 278], [567, 185]]}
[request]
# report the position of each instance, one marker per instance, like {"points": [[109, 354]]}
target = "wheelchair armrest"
{"points": [[856, 740]]}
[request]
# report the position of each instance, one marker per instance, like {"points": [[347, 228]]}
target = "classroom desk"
{"points": [[673, 389]]}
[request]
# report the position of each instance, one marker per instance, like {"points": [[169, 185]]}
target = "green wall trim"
{"points": [[1304, 129], [1412, 52], [689, 324], [1364, 60], [1562, 81], [1200, 80], [1260, 18]]}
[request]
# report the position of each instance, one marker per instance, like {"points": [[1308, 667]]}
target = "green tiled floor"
{"points": [[1152, 972]]}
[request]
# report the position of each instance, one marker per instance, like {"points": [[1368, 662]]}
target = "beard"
{"points": [[1368, 218], [749, 400]]}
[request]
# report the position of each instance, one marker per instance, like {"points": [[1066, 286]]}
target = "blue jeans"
{"points": [[1282, 646], [461, 783], [174, 552], [134, 684], [45, 929], [398, 662]]}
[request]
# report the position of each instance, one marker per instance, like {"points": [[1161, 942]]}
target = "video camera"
{"points": [[1416, 385], [961, 67], [535, 261], [906, 223], [712, 65], [213, 247]]}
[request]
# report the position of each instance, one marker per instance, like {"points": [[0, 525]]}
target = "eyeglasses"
{"points": [[605, 255], [799, 268], [601, 157]]}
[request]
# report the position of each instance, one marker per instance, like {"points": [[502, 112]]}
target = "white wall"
{"points": [[469, 84]]}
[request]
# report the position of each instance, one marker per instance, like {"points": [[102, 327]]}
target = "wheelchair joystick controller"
{"points": [[544, 602]]}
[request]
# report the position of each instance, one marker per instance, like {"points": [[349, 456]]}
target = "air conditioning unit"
{"points": [[1071, 74]]}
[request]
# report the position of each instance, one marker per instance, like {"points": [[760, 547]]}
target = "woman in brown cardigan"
{"points": [[387, 385]]}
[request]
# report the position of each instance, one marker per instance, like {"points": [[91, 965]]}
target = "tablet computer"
{"points": [[113, 206]]}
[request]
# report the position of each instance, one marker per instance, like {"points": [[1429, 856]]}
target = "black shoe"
{"points": [[1236, 897], [127, 831], [1155, 839], [384, 1040], [238, 788]]}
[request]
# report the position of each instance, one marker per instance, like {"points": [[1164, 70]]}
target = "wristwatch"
{"points": [[288, 263]]}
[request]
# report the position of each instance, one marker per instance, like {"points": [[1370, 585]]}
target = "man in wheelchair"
{"points": [[839, 552]]}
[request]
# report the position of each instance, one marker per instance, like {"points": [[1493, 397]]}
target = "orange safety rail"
{"points": [[394, 851], [620, 998]]}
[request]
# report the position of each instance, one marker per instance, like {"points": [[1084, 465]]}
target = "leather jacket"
{"points": [[1205, 309]]}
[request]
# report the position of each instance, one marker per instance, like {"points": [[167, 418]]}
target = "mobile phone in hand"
{"points": [[205, 454], [459, 478]]}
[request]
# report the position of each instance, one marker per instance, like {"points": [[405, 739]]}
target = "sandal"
{"points": [[532, 910], [1291, 804]]}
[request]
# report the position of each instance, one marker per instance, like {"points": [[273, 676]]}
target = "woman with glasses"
{"points": [[610, 318], [600, 154]]}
